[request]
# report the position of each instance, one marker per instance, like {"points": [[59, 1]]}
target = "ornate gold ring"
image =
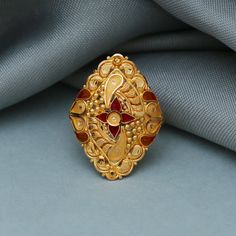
{"points": [[116, 117]]}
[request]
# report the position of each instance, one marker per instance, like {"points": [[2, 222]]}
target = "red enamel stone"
{"points": [[82, 137], [102, 117], [114, 130], [126, 118], [84, 94], [147, 140], [115, 106], [149, 96]]}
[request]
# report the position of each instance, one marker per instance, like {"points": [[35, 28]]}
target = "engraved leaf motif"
{"points": [[117, 152], [112, 84]]}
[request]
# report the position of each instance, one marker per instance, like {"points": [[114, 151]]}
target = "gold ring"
{"points": [[116, 117]]}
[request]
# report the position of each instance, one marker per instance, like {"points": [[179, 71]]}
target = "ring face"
{"points": [[116, 117]]}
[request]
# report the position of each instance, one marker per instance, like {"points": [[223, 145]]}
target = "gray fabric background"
{"points": [[43, 42], [197, 90], [185, 185]]}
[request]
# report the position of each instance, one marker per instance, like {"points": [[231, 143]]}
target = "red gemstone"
{"points": [[102, 117], [115, 130], [84, 94], [126, 118], [149, 96], [82, 137], [147, 140], [115, 106]]}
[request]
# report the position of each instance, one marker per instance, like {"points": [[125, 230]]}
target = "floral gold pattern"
{"points": [[116, 117]]}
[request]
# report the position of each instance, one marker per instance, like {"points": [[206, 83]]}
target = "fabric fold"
{"points": [[183, 47], [197, 90], [74, 33], [180, 40], [214, 17]]}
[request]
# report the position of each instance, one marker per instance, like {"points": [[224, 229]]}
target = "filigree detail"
{"points": [[116, 117]]}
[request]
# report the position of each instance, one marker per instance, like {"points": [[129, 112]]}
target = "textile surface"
{"points": [[185, 49], [186, 183]]}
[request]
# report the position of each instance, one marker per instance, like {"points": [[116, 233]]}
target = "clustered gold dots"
{"points": [[133, 130], [96, 103], [124, 106]]}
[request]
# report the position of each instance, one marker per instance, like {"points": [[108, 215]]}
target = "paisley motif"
{"points": [[116, 117]]}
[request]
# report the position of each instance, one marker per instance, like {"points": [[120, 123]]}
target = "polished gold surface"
{"points": [[78, 107], [116, 117]]}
